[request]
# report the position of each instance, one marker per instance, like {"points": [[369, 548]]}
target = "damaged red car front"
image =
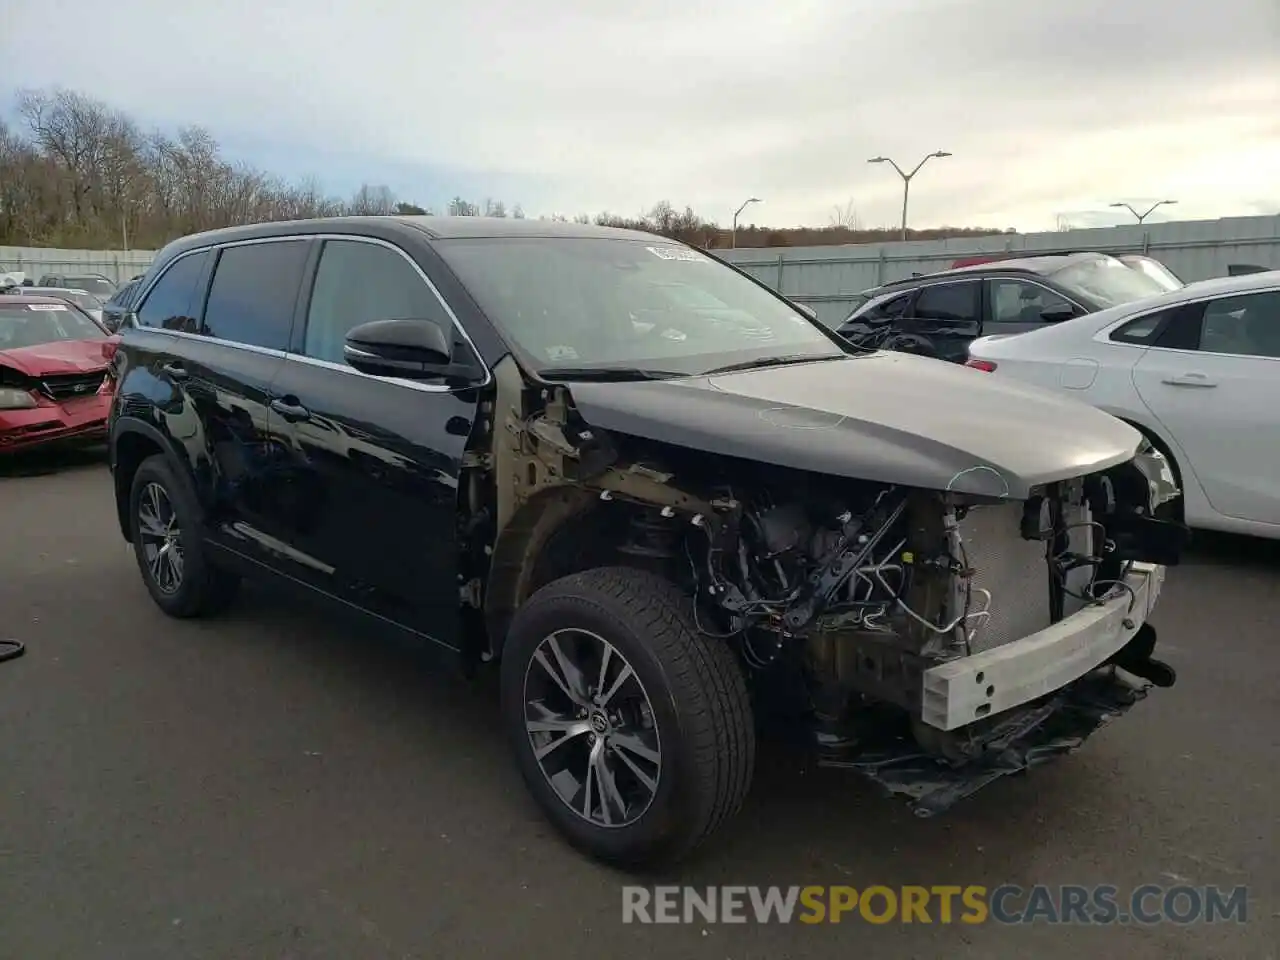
{"points": [[55, 374]]}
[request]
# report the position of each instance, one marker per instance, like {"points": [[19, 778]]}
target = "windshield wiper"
{"points": [[607, 374], [774, 362]]}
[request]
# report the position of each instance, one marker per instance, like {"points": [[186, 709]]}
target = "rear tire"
{"points": [[665, 786], [168, 543]]}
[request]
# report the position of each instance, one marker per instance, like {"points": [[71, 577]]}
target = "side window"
{"points": [[889, 309], [254, 291], [1020, 301], [360, 282], [949, 302], [169, 304], [1246, 325], [1142, 331]]}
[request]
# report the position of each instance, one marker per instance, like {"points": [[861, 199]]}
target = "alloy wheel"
{"points": [[161, 538], [591, 727]]}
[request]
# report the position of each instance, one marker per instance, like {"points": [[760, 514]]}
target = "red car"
{"points": [[55, 374]]}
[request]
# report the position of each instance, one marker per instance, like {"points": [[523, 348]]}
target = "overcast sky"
{"points": [[1050, 107]]}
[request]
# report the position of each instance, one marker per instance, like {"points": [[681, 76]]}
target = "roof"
{"points": [[6, 300], [450, 228], [1217, 287], [437, 228], [1039, 265]]}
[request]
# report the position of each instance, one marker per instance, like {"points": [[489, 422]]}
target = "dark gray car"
{"points": [[939, 314]]}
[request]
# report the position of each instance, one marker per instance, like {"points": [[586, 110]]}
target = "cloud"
{"points": [[583, 105]]}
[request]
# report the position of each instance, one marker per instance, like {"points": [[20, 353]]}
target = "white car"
{"points": [[1197, 370]]}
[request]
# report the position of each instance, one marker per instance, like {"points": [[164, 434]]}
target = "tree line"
{"points": [[74, 172]]}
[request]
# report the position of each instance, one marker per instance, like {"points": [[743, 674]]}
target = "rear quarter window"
{"points": [[169, 304]]}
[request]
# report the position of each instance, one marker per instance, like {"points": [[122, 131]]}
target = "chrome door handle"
{"points": [[292, 412], [1189, 380]]}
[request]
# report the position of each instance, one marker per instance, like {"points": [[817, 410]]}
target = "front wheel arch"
{"points": [[1159, 443]]}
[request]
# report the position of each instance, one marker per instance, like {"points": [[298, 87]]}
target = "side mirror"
{"points": [[400, 348], [1057, 314]]}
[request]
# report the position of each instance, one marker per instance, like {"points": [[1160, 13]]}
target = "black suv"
{"points": [[662, 500], [939, 314]]}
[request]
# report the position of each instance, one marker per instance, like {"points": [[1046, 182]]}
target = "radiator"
{"points": [[1014, 571]]}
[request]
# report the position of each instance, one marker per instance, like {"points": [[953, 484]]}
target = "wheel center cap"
{"points": [[599, 722]]}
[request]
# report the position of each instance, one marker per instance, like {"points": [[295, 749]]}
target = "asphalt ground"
{"points": [[275, 784]]}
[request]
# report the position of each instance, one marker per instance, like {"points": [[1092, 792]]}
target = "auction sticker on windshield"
{"points": [[45, 306], [677, 253]]}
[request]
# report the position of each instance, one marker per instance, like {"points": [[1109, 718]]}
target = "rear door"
{"points": [[374, 461], [946, 316], [1213, 380], [227, 369]]}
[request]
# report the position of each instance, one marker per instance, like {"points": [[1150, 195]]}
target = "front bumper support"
{"points": [[1023, 738], [988, 684]]}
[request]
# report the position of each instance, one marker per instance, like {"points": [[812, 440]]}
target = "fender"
{"points": [[131, 440]]}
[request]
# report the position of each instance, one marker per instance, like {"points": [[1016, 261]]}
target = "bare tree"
{"points": [[846, 216], [459, 207], [75, 172], [372, 202]]}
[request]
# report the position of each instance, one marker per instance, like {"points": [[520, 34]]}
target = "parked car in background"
{"points": [[938, 314], [95, 283], [83, 299], [55, 381], [1197, 370], [1153, 268], [117, 308], [643, 485], [1136, 261]]}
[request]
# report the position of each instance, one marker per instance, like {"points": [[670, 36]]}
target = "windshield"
{"points": [[598, 304], [85, 301], [104, 288], [31, 324], [1108, 281], [1154, 269]]}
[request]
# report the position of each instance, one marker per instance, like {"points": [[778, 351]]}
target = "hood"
{"points": [[886, 417], [63, 356]]}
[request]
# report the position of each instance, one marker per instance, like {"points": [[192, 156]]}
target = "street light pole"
{"points": [[1143, 216], [733, 237], [906, 179]]}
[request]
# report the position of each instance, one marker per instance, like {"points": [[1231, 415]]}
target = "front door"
{"points": [[1219, 398], [1016, 306], [374, 462]]}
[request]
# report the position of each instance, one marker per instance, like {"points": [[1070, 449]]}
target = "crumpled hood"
{"points": [[886, 417], [63, 356]]}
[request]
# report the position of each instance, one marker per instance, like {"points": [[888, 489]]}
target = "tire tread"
{"points": [[716, 718]]}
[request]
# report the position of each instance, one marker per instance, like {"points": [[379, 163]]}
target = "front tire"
{"points": [[632, 729], [168, 543]]}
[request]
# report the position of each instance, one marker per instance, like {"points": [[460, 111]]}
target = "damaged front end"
{"points": [[936, 640]]}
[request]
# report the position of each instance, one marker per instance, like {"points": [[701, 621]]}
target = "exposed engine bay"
{"points": [[842, 595]]}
